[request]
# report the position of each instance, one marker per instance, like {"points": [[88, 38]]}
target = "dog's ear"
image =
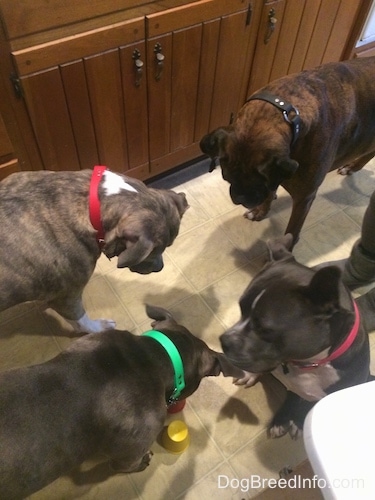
{"points": [[279, 170], [280, 248], [180, 201], [129, 242], [323, 290], [218, 363], [215, 143]]}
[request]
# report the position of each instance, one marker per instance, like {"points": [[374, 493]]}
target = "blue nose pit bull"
{"points": [[304, 327], [107, 392]]}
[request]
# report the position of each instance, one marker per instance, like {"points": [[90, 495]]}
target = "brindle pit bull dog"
{"points": [[304, 327], [107, 392], [293, 132], [54, 226]]}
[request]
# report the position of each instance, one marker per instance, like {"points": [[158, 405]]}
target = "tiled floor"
{"points": [[213, 259]]}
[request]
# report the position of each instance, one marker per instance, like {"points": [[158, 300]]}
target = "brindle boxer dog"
{"points": [[107, 392], [54, 226], [295, 130]]}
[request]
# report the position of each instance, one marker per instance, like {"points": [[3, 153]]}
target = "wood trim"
{"points": [[174, 159], [9, 168], [47, 55], [22, 18], [190, 14]]}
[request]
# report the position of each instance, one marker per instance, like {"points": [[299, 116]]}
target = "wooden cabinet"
{"points": [[86, 102], [139, 95], [8, 161], [300, 34], [199, 58], [135, 85]]}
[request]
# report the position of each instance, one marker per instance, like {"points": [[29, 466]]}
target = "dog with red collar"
{"points": [[303, 326], [55, 225]]}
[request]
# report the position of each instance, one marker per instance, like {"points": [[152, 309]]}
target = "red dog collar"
{"points": [[337, 352], [94, 203]]}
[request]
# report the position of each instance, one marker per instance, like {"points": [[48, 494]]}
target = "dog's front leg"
{"points": [[300, 209], [290, 417], [72, 310], [260, 212]]}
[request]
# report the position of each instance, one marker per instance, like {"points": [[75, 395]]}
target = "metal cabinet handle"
{"points": [[138, 65], [271, 25], [159, 61]]}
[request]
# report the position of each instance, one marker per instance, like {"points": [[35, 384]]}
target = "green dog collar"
{"points": [[174, 355]]}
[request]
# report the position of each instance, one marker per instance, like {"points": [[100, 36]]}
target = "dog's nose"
{"points": [[230, 341]]}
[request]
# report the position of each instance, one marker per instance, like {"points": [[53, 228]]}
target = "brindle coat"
{"points": [[336, 103]]}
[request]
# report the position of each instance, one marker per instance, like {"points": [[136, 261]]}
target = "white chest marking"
{"points": [[308, 384], [114, 183]]}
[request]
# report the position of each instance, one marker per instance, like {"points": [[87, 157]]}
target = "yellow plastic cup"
{"points": [[176, 438]]}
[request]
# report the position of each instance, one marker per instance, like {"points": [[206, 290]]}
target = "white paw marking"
{"points": [[87, 325], [277, 431], [249, 215], [114, 183], [248, 380]]}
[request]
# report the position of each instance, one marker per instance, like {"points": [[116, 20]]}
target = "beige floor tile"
{"points": [[26, 340], [216, 485], [195, 315], [222, 296], [233, 415], [206, 270], [264, 458], [169, 475], [333, 237], [204, 255], [211, 192], [162, 289]]}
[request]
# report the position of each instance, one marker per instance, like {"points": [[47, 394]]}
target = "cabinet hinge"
{"points": [[249, 14], [16, 82]]}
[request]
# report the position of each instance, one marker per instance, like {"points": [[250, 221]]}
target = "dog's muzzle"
{"points": [[154, 266]]}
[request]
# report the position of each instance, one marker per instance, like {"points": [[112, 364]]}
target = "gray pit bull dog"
{"points": [[304, 327], [107, 392], [54, 226]]}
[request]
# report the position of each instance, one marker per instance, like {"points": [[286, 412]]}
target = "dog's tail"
{"points": [[158, 313]]}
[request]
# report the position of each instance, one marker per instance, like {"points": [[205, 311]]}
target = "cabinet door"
{"points": [[199, 56], [92, 109], [306, 33], [8, 162], [267, 41]]}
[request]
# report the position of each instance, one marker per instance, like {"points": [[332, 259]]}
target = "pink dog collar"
{"points": [[94, 203], [307, 365]]}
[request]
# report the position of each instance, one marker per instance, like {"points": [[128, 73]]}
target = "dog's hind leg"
{"points": [[72, 310], [126, 465], [356, 165]]}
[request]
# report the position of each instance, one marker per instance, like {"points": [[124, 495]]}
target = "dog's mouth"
{"points": [[247, 200], [252, 366], [154, 266]]}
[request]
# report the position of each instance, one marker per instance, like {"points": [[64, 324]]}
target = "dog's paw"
{"points": [[122, 465], [255, 214], [145, 462], [276, 431], [346, 169], [248, 379], [87, 325]]}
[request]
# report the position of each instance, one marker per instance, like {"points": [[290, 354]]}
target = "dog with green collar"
{"points": [[106, 393]]}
